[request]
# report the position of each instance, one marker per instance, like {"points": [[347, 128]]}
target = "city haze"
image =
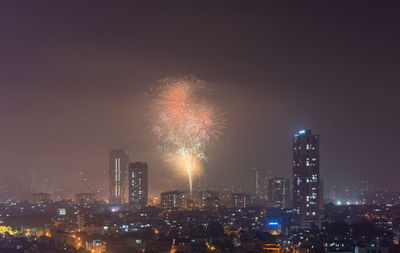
{"points": [[74, 76]]}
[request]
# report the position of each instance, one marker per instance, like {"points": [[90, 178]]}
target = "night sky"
{"points": [[74, 74]]}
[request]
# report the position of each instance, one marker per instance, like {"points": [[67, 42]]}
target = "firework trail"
{"points": [[184, 123]]}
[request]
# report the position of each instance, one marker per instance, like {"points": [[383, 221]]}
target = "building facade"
{"points": [[306, 180], [279, 192], [173, 200], [209, 199], [118, 174], [240, 200], [138, 184]]}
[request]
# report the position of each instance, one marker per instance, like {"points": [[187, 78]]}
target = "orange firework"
{"points": [[184, 122]]}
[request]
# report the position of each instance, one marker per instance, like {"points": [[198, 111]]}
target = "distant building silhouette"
{"points": [[84, 181], [261, 181], [240, 200], [84, 198], [306, 181], [138, 184], [40, 197], [118, 173], [365, 187], [279, 192]]}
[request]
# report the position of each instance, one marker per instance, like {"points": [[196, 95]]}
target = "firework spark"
{"points": [[184, 123]]}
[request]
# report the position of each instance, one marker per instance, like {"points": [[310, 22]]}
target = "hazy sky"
{"points": [[73, 76]]}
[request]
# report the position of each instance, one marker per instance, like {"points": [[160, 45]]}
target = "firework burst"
{"points": [[184, 123]]}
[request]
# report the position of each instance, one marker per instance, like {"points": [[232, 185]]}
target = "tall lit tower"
{"points": [[138, 184], [306, 181], [119, 160]]}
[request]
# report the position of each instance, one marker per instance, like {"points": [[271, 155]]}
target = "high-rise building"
{"points": [[119, 160], [138, 184], [279, 192], [321, 194], [26, 185], [365, 186], [209, 199], [173, 200], [261, 180], [83, 181], [306, 181], [240, 200], [332, 193]]}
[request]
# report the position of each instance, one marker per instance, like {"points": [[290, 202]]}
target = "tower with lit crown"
{"points": [[306, 181]]}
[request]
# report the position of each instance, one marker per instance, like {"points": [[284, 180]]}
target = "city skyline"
{"points": [[260, 181], [199, 126], [66, 100]]}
